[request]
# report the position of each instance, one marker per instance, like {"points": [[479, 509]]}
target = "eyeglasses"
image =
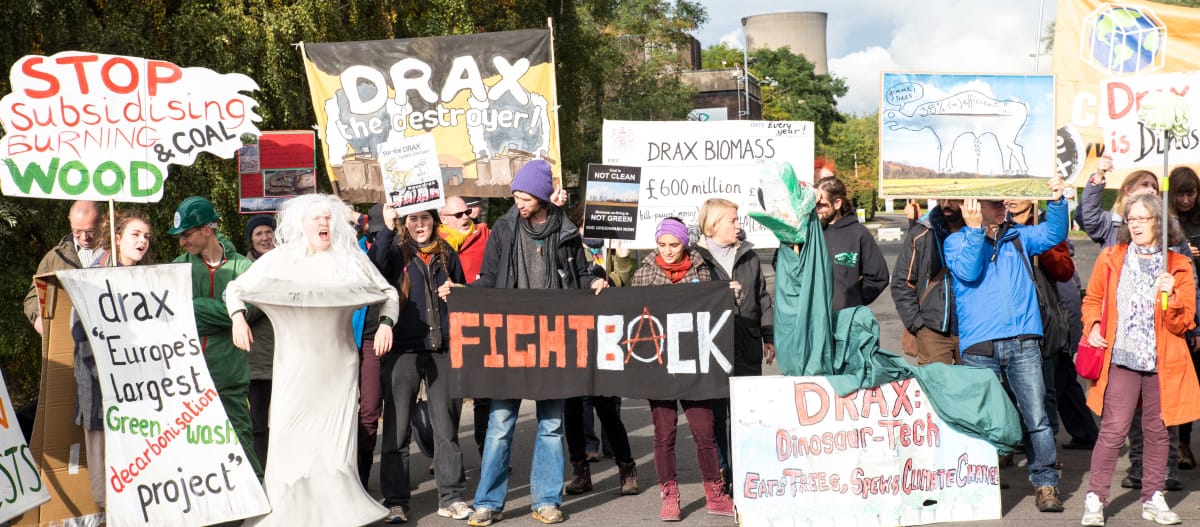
{"points": [[458, 215], [1139, 219], [81, 232]]}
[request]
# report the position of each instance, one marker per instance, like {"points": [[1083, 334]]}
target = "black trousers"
{"points": [[610, 418]]}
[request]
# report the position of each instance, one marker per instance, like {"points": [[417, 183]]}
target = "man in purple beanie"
{"points": [[533, 246]]}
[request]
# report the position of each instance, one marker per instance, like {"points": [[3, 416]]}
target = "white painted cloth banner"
{"points": [[20, 487], [1131, 143], [685, 163], [93, 126], [412, 179], [804, 456], [171, 456]]}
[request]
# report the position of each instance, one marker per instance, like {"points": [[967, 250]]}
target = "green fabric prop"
{"points": [[810, 340]]}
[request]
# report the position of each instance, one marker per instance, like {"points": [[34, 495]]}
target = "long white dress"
{"points": [[311, 473]]}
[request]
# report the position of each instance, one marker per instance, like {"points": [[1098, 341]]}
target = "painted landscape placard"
{"points": [[966, 135]]}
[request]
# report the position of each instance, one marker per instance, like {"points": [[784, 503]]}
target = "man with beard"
{"points": [[921, 289], [533, 246], [859, 271]]}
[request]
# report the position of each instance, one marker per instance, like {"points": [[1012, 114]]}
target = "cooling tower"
{"points": [[801, 31]]}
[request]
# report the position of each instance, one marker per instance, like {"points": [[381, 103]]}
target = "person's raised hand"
{"points": [[971, 213], [1104, 165], [389, 217], [1057, 185]]}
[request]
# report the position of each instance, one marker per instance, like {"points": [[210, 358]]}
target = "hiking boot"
{"points": [[1172, 484], [458, 510], [1187, 461], [1005, 461], [1131, 482], [716, 501], [1093, 511], [582, 481], [550, 513], [1047, 499], [1157, 510], [670, 502], [629, 480], [593, 457], [396, 514], [483, 516]]}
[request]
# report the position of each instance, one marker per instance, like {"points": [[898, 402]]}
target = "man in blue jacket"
{"points": [[999, 322]]}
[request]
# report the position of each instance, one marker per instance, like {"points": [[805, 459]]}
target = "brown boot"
{"points": [[629, 481], [716, 501], [582, 482], [670, 502]]}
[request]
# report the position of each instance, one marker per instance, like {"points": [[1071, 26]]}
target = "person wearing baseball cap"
{"points": [[215, 262]]}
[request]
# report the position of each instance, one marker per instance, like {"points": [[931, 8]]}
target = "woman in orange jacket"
{"points": [[1146, 355]]}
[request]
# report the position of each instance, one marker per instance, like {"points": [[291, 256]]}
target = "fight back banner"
{"points": [[171, 455], [804, 455], [488, 99], [664, 342]]}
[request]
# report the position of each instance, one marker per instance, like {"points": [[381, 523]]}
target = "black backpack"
{"points": [[1055, 329]]}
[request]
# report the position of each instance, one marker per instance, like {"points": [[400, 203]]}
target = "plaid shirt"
{"points": [[651, 274]]}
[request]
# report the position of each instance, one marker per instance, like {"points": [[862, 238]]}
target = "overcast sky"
{"points": [[865, 37]]}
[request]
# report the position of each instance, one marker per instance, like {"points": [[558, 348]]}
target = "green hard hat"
{"points": [[193, 212]]}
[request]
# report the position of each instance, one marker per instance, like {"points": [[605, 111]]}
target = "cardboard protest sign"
{"points": [[277, 166], [93, 126], [411, 178], [663, 342], [685, 163], [1131, 142], [57, 442], [1095, 40], [20, 487], [171, 455], [611, 209], [488, 99], [881, 456], [966, 136]]}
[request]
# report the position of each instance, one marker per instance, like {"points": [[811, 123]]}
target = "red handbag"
{"points": [[1089, 359]]}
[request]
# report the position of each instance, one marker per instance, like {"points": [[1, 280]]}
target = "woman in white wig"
{"points": [[310, 286]]}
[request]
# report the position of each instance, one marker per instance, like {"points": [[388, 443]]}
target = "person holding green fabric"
{"points": [[216, 262]]}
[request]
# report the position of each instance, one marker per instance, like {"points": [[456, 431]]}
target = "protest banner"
{"points": [[171, 455], [488, 99], [412, 180], [611, 209], [1095, 40], [966, 136], [21, 488], [105, 127], [1131, 142], [685, 163], [277, 166], [663, 342], [881, 456]]}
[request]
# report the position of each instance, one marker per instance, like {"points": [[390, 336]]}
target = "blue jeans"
{"points": [[546, 474], [1019, 363]]}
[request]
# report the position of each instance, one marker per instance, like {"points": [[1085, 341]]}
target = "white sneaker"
{"points": [[1156, 509], [458, 510], [1093, 511]]}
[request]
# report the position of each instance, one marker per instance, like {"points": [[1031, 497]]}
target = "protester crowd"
{"points": [[978, 282]]}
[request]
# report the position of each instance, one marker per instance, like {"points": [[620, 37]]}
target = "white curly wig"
{"points": [[290, 234]]}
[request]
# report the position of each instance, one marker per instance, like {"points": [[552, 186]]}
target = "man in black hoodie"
{"points": [[921, 286], [859, 271]]}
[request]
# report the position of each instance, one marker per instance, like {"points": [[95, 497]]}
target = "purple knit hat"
{"points": [[535, 179], [673, 227]]}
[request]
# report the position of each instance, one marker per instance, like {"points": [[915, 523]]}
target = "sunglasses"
{"points": [[458, 215]]}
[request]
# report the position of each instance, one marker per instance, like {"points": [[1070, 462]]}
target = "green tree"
{"points": [[853, 145]]}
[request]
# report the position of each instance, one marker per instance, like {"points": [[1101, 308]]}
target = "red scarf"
{"points": [[676, 271]]}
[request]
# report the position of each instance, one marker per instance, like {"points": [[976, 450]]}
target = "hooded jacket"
{"points": [[424, 320], [570, 261], [755, 322], [1178, 389], [994, 295], [860, 273], [921, 284]]}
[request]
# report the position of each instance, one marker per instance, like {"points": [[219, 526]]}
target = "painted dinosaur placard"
{"points": [[962, 135]]}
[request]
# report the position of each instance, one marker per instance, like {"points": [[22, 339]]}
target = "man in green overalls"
{"points": [[216, 262]]}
